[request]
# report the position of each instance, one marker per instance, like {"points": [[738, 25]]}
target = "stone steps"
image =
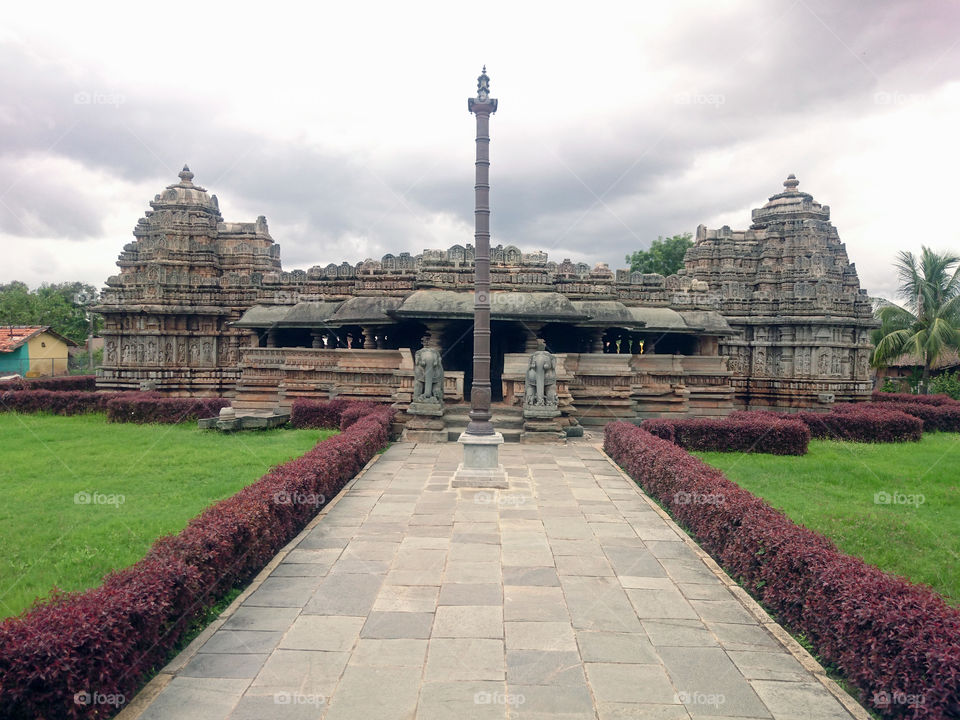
{"points": [[508, 421]]}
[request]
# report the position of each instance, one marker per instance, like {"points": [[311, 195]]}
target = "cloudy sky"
{"points": [[346, 124]]}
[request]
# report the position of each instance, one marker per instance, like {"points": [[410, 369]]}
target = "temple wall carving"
{"points": [[792, 331]]}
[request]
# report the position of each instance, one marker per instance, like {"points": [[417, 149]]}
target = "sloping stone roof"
{"points": [[448, 304], [306, 314], [708, 321], [659, 318], [606, 313], [366, 310], [263, 316]]}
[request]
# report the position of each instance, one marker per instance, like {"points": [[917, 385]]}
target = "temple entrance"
{"points": [[457, 343]]}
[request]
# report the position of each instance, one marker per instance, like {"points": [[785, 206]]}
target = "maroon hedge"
{"points": [[138, 409], [69, 402], [939, 399], [889, 637], [56, 384], [766, 434], [860, 423], [105, 640], [943, 418], [305, 413]]}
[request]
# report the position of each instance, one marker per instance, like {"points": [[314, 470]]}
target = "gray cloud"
{"points": [[752, 74]]}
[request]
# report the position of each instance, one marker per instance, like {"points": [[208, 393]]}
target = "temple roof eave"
{"points": [[452, 305]]}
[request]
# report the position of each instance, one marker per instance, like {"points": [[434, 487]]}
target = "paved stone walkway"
{"points": [[568, 596]]}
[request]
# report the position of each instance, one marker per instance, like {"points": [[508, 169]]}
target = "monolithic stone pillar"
{"points": [[271, 338], [596, 340], [532, 340], [317, 336], [434, 336]]}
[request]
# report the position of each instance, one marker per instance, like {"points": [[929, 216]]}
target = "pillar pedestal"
{"points": [[481, 466]]}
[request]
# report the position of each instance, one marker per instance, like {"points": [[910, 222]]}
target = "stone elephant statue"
{"points": [[428, 376], [540, 389]]}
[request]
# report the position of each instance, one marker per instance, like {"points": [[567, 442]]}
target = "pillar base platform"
{"points": [[481, 466]]}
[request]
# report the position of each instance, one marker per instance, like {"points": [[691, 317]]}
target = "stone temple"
{"points": [[771, 316]]}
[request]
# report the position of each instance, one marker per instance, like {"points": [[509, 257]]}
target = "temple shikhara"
{"points": [[771, 316]]}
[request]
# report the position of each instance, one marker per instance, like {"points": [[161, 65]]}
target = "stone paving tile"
{"points": [[242, 641], [799, 700], [636, 711], [544, 667], [283, 592], [279, 706], [768, 666], [453, 659], [471, 594], [546, 702], [661, 603], [609, 647], [541, 576], [534, 603], [624, 682], [394, 652], [705, 676], [406, 598], [473, 572], [224, 665], [188, 698], [583, 565], [385, 693], [314, 673], [462, 701], [480, 621], [259, 618], [530, 635], [679, 633], [397, 625], [567, 596], [322, 632], [346, 594]]}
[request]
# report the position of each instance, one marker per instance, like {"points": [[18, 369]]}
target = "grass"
{"points": [[839, 489], [140, 482]]}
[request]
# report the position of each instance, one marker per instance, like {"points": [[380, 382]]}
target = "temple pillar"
{"points": [[317, 336], [254, 338], [532, 339], [271, 338], [596, 340], [434, 335], [372, 341]]}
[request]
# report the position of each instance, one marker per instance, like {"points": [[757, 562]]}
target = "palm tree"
{"points": [[929, 324]]}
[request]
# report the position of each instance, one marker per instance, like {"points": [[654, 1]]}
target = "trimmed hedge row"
{"points": [[858, 424], [69, 402], [751, 433], [133, 407], [889, 637], [56, 384], [129, 408], [945, 418], [306, 414], [105, 640], [939, 399]]}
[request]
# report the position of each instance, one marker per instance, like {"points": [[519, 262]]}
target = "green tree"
{"points": [[664, 257], [929, 324], [58, 305]]}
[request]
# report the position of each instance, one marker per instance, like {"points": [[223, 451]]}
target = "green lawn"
{"points": [[80, 497], [838, 488]]}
